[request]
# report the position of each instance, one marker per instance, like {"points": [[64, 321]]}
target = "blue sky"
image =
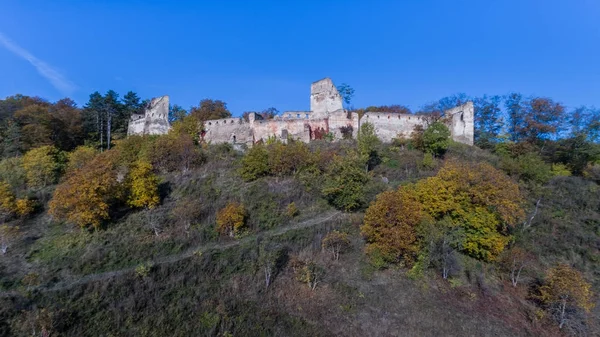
{"points": [[257, 54]]}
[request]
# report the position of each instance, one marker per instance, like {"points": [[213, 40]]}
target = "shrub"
{"points": [[564, 291], [389, 227], [291, 210], [436, 139], [255, 163], [231, 219], [336, 243], [344, 185]]}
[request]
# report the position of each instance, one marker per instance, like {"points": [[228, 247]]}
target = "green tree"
{"points": [[344, 184], [436, 139], [368, 143], [488, 121], [210, 109], [255, 163], [347, 93]]}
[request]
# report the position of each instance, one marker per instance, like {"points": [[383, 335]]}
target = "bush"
{"points": [[231, 219], [436, 139], [255, 163], [344, 185], [389, 227]]}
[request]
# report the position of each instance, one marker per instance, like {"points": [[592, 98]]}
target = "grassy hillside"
{"points": [[168, 270]]}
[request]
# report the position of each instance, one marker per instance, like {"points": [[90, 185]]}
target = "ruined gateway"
{"points": [[326, 115]]}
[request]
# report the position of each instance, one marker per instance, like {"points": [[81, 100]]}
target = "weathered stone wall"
{"points": [[324, 98], [327, 115], [462, 124], [229, 130], [154, 121], [392, 125]]}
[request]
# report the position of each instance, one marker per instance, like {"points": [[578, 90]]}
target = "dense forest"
{"points": [[107, 235]]}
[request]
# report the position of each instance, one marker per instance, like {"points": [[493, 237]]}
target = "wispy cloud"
{"points": [[58, 80]]}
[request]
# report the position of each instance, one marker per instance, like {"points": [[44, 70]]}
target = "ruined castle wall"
{"points": [[154, 121], [392, 125], [137, 124], [341, 118], [462, 125], [324, 98], [228, 130]]}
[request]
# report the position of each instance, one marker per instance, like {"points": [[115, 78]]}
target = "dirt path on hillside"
{"points": [[67, 284]]}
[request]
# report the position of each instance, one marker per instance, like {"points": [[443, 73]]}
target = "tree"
{"points": [[336, 242], [7, 202], [347, 92], [35, 122], [367, 145], [344, 186], [80, 157], [66, 124], [210, 109], [13, 173], [488, 121], [130, 104], [41, 166], [566, 290], [143, 186], [269, 113], [8, 235], [271, 259], [11, 145], [288, 158], [308, 272], [515, 261], [231, 219], [176, 113], [85, 197], [477, 199], [389, 226], [436, 139], [395, 108], [255, 163]]}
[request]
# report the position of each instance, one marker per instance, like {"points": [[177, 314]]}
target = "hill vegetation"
{"points": [[108, 235]]}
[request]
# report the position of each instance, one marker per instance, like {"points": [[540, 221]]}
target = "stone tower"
{"points": [[324, 98], [154, 120]]}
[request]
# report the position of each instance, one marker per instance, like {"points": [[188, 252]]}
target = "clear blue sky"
{"points": [[257, 54]]}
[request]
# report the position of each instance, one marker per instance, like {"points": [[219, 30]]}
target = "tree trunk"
{"points": [[108, 129]]}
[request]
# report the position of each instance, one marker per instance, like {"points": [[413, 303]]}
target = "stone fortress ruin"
{"points": [[326, 116], [154, 120]]}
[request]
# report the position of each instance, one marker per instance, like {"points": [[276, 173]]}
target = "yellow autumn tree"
{"points": [[7, 201], [231, 219], [389, 226], [477, 199], [79, 157], [143, 189], [84, 198], [566, 290], [41, 167]]}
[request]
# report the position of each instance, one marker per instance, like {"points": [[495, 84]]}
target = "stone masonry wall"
{"points": [[154, 121]]}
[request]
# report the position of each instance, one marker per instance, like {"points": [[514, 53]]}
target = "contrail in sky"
{"points": [[58, 80]]}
